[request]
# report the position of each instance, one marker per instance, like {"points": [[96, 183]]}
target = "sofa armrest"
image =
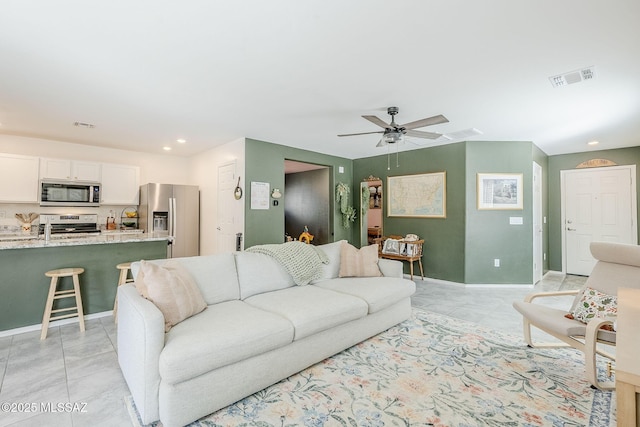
{"points": [[390, 268], [140, 341]]}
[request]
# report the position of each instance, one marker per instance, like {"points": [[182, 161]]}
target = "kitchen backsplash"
{"points": [[9, 222]]}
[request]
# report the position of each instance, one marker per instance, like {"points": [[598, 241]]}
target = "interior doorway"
{"points": [[307, 201], [371, 210], [598, 204]]}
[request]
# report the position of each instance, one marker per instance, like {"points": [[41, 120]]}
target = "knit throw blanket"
{"points": [[302, 261]]}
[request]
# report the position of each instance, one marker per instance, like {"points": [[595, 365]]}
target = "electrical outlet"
{"points": [[496, 262]]}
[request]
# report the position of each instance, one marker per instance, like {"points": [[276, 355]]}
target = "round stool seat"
{"points": [[64, 272], [123, 265]]}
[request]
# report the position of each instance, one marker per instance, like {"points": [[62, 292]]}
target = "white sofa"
{"points": [[258, 328]]}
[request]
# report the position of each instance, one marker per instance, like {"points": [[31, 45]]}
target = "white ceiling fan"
{"points": [[394, 133]]}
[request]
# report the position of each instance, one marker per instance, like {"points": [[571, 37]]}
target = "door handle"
{"points": [[571, 229], [218, 228]]}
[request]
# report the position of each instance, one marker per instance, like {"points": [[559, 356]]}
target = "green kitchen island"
{"points": [[24, 287]]}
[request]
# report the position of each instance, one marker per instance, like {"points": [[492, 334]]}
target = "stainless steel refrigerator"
{"points": [[172, 211]]}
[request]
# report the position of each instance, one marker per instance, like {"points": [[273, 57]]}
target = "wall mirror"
{"points": [[371, 210]]}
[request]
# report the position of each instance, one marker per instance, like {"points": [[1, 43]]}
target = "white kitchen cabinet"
{"points": [[18, 178], [75, 170], [120, 184]]}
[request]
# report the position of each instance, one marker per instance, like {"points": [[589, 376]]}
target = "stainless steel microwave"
{"points": [[69, 193]]}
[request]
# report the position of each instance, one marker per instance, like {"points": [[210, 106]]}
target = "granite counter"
{"points": [[24, 287]]}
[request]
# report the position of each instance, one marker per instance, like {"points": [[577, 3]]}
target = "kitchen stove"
{"points": [[70, 223]]}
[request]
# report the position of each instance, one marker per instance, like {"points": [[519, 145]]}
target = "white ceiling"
{"points": [[300, 72]]}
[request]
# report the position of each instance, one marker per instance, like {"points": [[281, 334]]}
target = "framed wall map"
{"points": [[417, 196]]}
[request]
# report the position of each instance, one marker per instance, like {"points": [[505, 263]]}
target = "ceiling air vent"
{"points": [[84, 125], [462, 134], [571, 77]]}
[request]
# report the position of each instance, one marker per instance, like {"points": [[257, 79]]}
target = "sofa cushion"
{"points": [[361, 262], [172, 289], [379, 293], [215, 275], [330, 270], [311, 309], [258, 273], [223, 334]]}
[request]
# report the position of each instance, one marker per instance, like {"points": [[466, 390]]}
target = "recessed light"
{"points": [[181, 141], [166, 148], [593, 142]]}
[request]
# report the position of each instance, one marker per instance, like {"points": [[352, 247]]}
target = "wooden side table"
{"points": [[412, 252], [627, 353]]}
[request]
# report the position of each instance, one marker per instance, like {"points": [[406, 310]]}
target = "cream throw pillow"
{"points": [[359, 263], [172, 289]]}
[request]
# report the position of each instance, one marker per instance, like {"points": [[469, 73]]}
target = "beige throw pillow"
{"points": [[359, 263], [172, 289]]}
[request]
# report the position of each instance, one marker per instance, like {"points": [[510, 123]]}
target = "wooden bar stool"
{"points": [[54, 294], [124, 268]]}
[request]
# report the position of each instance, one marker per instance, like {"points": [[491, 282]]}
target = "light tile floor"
{"points": [[70, 366]]}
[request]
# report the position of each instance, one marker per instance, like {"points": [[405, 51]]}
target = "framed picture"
{"points": [[418, 196], [499, 191]]}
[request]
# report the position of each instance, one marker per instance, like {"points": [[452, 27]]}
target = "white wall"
{"points": [[204, 173], [163, 168]]}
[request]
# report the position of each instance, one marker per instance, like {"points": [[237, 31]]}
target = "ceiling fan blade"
{"points": [[423, 134], [435, 120], [377, 121], [361, 133]]}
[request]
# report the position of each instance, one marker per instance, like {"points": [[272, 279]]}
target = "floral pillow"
{"points": [[594, 303]]}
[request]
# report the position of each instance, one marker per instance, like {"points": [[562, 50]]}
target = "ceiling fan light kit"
{"points": [[394, 133]]}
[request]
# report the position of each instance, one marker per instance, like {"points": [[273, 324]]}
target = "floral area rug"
{"points": [[430, 370]]}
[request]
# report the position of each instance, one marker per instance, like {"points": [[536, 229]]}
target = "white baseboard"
{"points": [[473, 285], [55, 323]]}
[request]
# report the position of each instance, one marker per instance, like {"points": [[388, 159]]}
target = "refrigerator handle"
{"points": [[173, 217]]}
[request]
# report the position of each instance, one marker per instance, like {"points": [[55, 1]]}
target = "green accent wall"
{"points": [[443, 250], [264, 162], [462, 247], [489, 234], [558, 163], [24, 286]]}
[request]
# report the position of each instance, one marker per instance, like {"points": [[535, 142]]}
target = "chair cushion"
{"points": [[379, 293], [223, 334], [172, 289], [554, 320], [361, 262], [311, 309]]}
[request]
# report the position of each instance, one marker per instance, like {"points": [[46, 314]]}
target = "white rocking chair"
{"points": [[618, 266]]}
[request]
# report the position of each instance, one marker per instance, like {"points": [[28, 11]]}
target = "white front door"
{"points": [[225, 228], [598, 205]]}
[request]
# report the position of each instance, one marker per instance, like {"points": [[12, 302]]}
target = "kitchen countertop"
{"points": [[24, 242]]}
